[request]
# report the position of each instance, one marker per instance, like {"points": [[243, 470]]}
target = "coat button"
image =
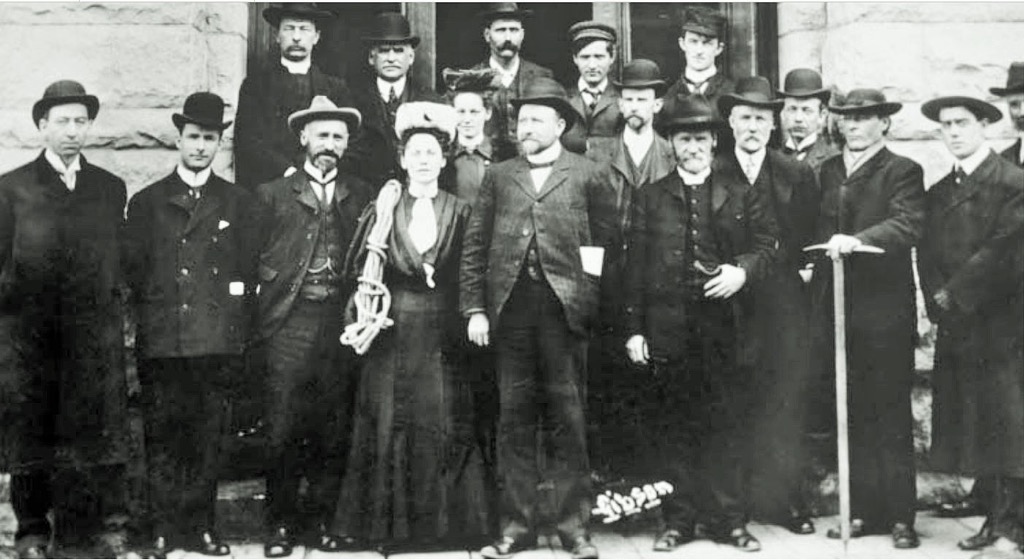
{"points": [[526, 232], [184, 307], [184, 241], [214, 238], [215, 271], [184, 272], [309, 236]]}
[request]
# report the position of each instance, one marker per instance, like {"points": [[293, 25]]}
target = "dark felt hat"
{"points": [[546, 91], [691, 113], [1014, 81], [641, 73], [390, 28], [64, 92], [299, 10], [755, 91], [204, 109], [478, 80], [865, 101], [981, 109], [804, 83], [707, 22], [592, 30], [503, 10], [323, 109]]}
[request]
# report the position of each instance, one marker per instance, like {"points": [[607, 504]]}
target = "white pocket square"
{"points": [[222, 225]]}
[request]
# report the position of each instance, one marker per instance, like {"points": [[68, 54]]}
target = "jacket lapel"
{"points": [[208, 204], [720, 188], [618, 161], [607, 99], [781, 183], [576, 100], [521, 176], [303, 193], [559, 173], [972, 184], [664, 161]]}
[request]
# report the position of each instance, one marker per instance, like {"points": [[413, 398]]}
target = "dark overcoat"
{"points": [[717, 85], [264, 145], [820, 151], [1012, 153], [600, 129], [63, 284], [573, 209], [974, 233], [191, 265], [502, 125]]}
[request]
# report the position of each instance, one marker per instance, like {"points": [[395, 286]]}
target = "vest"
{"points": [[700, 236], [323, 277]]}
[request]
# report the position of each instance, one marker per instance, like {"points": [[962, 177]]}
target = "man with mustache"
{"points": [[803, 117], [264, 147], [700, 40], [594, 97], [310, 220]]}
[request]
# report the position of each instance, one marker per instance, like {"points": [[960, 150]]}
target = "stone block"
{"points": [[843, 13], [225, 65], [232, 18], [79, 13], [801, 16], [801, 49], [114, 128], [12, 158]]}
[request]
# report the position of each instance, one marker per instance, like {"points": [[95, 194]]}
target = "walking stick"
{"points": [[842, 403]]}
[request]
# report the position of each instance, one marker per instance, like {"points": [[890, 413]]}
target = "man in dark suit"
{"points": [[804, 113], [530, 277], [392, 49], [62, 283], [594, 96], [504, 33], [700, 240], [189, 254], [969, 262], [1014, 95], [311, 218], [264, 147], [700, 40], [871, 196]]}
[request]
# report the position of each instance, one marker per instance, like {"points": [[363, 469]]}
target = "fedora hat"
{"points": [[707, 22], [478, 80], [592, 31], [804, 83], [1014, 81], [691, 113], [298, 10], [64, 92], [390, 27], [870, 101], [641, 73], [981, 109], [754, 91], [204, 109], [323, 109], [546, 91], [503, 10]]}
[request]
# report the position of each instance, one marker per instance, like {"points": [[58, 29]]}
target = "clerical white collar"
{"points": [[547, 155], [971, 163], [297, 67], [698, 178], [58, 164], [700, 76], [757, 157], [384, 87], [194, 179], [804, 144], [319, 177], [582, 85], [420, 190]]}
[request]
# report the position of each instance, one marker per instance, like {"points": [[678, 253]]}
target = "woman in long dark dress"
{"points": [[414, 477]]}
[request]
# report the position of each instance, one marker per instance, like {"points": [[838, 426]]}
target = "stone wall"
{"points": [[141, 59]]}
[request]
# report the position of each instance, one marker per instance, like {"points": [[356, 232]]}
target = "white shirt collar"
{"points": [[638, 143], [317, 176], [970, 163], [546, 155], [194, 179], [700, 76], [297, 67], [58, 164], [506, 76], [419, 190], [804, 144], [693, 178], [757, 157], [853, 160], [384, 87], [583, 86], [1021, 154]]}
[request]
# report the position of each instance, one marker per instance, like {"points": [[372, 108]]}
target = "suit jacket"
{"points": [[1012, 153], [820, 151], [190, 267], [264, 145], [656, 274], [502, 125], [573, 209], [289, 235], [717, 85], [599, 130]]}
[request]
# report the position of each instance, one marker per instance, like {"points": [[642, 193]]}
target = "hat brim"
{"points": [[690, 124], [490, 17], [1008, 90], [299, 119], [181, 120], [413, 40], [823, 94], [886, 109], [274, 14], [564, 108], [981, 109], [91, 102], [727, 101], [659, 86]]}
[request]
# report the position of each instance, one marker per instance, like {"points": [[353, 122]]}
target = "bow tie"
{"points": [[542, 165]]}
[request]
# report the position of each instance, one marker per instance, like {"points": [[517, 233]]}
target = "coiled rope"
{"points": [[372, 298]]}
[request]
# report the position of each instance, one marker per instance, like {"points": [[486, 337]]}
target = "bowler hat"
{"points": [[641, 73], [478, 80], [204, 109], [709, 23], [592, 30], [865, 101], [804, 83], [503, 10], [754, 91], [323, 109], [1014, 81], [981, 109], [548, 92], [64, 92], [298, 10], [390, 28], [691, 113]]}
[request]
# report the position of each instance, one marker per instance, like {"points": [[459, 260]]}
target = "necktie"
{"points": [[69, 177], [423, 224], [595, 96], [958, 174], [750, 170], [195, 193], [540, 165], [392, 104]]}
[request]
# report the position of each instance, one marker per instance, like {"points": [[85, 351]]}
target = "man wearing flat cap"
{"points": [[782, 377], [62, 283], [871, 196], [311, 217], [701, 40], [969, 263], [504, 32], [594, 96], [700, 241], [803, 117], [190, 260], [264, 147], [530, 281]]}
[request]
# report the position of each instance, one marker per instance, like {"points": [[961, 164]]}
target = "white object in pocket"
{"points": [[236, 288], [592, 259], [222, 225]]}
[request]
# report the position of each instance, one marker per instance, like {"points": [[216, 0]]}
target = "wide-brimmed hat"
{"points": [[204, 109], [641, 73], [390, 28], [1014, 81], [64, 92], [546, 91], [691, 113], [503, 10], [298, 10], [981, 109], [707, 22], [323, 109], [755, 91], [592, 30], [426, 115], [804, 83], [865, 101], [477, 80]]}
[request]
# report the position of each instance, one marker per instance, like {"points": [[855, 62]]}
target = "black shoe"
{"points": [[979, 540], [505, 547], [672, 539], [279, 544], [800, 525], [904, 536], [326, 542], [208, 544], [741, 539], [964, 508], [857, 530]]}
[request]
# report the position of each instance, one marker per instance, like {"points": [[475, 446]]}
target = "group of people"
{"points": [[461, 302]]}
